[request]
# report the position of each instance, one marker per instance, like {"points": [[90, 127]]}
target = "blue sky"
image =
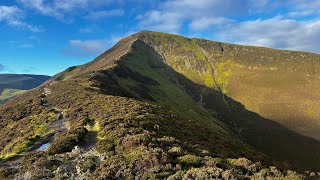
{"points": [[47, 36]]}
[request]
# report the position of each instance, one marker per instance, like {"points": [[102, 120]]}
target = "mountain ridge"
{"points": [[150, 107], [270, 61], [142, 34]]}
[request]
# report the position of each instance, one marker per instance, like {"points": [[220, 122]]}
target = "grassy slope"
{"points": [[15, 84], [166, 128], [167, 92], [243, 66], [284, 84], [281, 80], [137, 137], [8, 94]]}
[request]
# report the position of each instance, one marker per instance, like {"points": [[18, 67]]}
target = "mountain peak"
{"points": [[131, 65], [159, 106]]}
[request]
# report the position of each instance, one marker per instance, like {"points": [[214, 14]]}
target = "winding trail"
{"points": [[58, 125]]}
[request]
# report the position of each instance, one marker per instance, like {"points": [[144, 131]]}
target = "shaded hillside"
{"points": [[280, 86], [21, 81], [284, 82], [12, 85], [132, 113], [174, 88]]}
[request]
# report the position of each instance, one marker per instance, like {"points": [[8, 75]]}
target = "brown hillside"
{"points": [[158, 106]]}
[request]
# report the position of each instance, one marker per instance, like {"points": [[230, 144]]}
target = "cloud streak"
{"points": [[61, 8], [13, 16], [200, 14], [85, 48], [290, 24], [281, 24], [277, 32], [105, 14], [91, 47]]}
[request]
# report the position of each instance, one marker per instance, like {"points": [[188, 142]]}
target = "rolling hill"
{"points": [[15, 84], [8, 94], [159, 106]]}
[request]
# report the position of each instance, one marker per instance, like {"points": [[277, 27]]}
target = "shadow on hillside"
{"points": [[288, 148]]}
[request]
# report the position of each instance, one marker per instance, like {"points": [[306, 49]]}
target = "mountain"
{"points": [[21, 81], [14, 84], [159, 106]]}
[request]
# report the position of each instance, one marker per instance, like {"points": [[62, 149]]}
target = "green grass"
{"points": [[190, 160], [151, 119], [168, 93], [8, 94], [195, 121], [26, 134], [69, 72], [280, 86]]}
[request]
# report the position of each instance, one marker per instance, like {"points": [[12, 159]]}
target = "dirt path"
{"points": [[58, 125]]}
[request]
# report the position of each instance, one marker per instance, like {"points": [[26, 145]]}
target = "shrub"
{"points": [[190, 160], [4, 173], [243, 162], [175, 151], [66, 141], [105, 146]]}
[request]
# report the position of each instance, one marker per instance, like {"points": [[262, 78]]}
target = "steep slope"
{"points": [[15, 84], [284, 84], [132, 113]]}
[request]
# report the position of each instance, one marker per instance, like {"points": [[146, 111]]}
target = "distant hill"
{"points": [[21, 81], [8, 94], [162, 106], [14, 84]]}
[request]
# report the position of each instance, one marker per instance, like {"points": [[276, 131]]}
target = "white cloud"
{"points": [[199, 14], [308, 5], [295, 8], [206, 8], [305, 8], [39, 6], [26, 45], [60, 8], [258, 3], [93, 47], [86, 30], [204, 23], [13, 16], [276, 32], [226, 21], [105, 14], [29, 42], [160, 21], [10, 12], [85, 48], [90, 46]]}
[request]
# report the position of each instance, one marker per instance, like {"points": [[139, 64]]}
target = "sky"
{"points": [[48, 36]]}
